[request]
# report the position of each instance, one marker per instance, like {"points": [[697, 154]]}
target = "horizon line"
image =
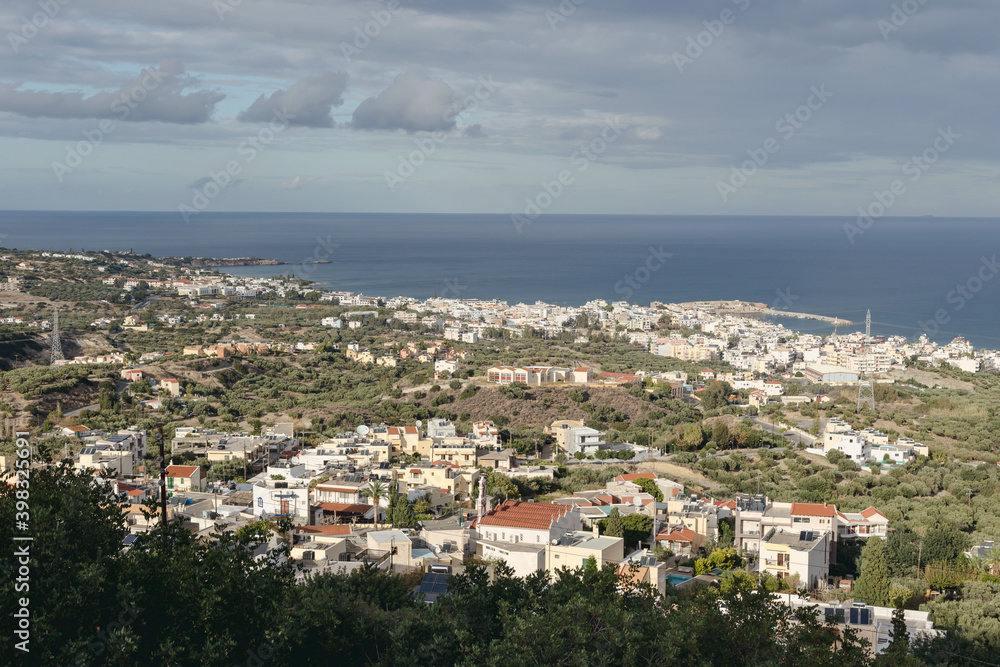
{"points": [[506, 214]]}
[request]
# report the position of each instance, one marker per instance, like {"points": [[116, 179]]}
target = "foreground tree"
{"points": [[873, 585]]}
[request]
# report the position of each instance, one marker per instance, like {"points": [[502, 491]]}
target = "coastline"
{"points": [[751, 309]]}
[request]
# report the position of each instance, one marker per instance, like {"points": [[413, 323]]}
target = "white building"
{"points": [[281, 498]]}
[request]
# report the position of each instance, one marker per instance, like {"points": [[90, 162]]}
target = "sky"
{"points": [[679, 107]]}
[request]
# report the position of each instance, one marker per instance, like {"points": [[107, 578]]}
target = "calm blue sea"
{"points": [[906, 270]]}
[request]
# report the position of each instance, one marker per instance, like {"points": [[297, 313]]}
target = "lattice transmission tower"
{"points": [[55, 344], [866, 387]]}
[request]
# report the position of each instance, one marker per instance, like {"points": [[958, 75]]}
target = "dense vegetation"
{"points": [[174, 599]]}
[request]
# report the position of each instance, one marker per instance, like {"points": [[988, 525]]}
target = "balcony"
{"points": [[775, 564]]}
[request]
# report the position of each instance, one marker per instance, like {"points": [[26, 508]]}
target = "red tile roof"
{"points": [[813, 509], [516, 514], [870, 512], [181, 471], [676, 535]]}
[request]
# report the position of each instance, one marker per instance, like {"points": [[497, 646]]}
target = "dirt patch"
{"points": [[679, 472], [928, 378]]}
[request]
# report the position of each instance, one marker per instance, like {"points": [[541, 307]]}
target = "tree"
{"points": [[944, 542], [637, 527], [402, 515], [722, 437], [716, 395], [873, 585], [723, 559], [649, 486], [614, 526], [499, 484], [693, 437], [897, 654], [376, 491], [737, 581]]}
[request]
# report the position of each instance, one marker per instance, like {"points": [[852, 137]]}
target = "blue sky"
{"points": [[636, 106]]}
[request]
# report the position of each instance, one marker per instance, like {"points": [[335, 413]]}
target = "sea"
{"points": [[931, 275]]}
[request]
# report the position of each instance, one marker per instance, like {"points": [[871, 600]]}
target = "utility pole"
{"points": [[163, 476], [969, 515]]}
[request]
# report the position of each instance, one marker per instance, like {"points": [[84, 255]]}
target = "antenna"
{"points": [[866, 388]]}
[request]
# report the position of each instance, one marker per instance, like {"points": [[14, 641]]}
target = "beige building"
{"points": [[575, 549]]}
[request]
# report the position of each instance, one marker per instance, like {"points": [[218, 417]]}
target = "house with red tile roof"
{"points": [[525, 522], [679, 540], [863, 524], [184, 478]]}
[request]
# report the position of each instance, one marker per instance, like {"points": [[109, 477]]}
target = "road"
{"points": [[791, 435], [120, 386]]}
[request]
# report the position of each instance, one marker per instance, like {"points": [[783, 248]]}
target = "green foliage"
{"points": [[577, 395], [649, 486], [723, 559], [716, 395], [500, 485], [614, 527], [873, 585], [403, 515], [514, 390], [637, 528]]}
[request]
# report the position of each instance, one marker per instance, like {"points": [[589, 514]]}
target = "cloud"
{"points": [[310, 101], [298, 183], [156, 94], [475, 131], [413, 102]]}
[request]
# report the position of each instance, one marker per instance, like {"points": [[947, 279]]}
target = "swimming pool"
{"points": [[675, 579]]}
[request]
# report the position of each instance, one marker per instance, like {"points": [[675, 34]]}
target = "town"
{"points": [[681, 446]]}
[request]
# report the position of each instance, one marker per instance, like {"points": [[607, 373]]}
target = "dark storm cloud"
{"points": [[309, 103], [155, 95], [413, 102]]}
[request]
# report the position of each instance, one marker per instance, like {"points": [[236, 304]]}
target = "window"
{"points": [[260, 502]]}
